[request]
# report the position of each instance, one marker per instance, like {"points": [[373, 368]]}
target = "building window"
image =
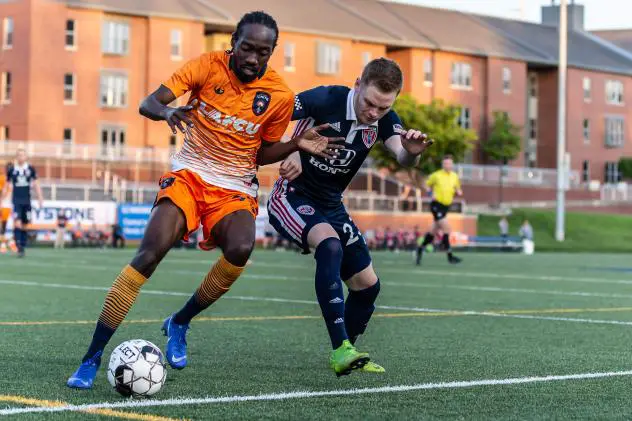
{"points": [[533, 85], [587, 89], [585, 171], [461, 76], [615, 132], [69, 88], [366, 58], [328, 59], [6, 86], [7, 33], [428, 71], [115, 37], [176, 44], [69, 140], [113, 141], [614, 92], [4, 133], [71, 35], [506, 80], [611, 173], [289, 57], [465, 118], [533, 129], [113, 90], [586, 126]]}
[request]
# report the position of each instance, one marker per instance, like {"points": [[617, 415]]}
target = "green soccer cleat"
{"points": [[346, 358], [371, 367]]}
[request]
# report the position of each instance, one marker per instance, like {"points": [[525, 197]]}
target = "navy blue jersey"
{"points": [[20, 178], [324, 180]]}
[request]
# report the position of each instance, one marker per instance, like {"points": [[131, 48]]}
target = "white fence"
{"points": [[520, 176]]}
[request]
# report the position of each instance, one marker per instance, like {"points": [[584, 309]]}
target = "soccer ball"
{"points": [[137, 369]]}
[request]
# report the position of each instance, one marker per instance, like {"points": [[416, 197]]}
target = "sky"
{"points": [[599, 14]]}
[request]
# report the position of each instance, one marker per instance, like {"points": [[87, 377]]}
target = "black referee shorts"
{"points": [[439, 210]]}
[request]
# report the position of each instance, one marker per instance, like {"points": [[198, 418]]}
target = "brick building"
{"points": [[74, 71]]}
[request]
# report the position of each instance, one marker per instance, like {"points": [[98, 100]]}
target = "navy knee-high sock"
{"points": [[359, 308], [329, 290], [18, 235]]}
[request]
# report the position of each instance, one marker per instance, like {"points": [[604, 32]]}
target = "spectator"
{"points": [[369, 237], [380, 240], [77, 235], [526, 231], [60, 237], [96, 237], [503, 225], [117, 236]]}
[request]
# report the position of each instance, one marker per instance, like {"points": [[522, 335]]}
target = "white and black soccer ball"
{"points": [[137, 368]]}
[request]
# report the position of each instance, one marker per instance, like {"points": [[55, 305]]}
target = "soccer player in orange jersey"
{"points": [[236, 114], [5, 211]]}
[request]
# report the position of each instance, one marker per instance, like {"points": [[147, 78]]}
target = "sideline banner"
{"points": [[133, 218]]}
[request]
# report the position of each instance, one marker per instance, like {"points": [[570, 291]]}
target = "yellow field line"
{"points": [[297, 317], [96, 411]]}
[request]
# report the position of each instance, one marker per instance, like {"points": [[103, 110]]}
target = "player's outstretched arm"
{"points": [[310, 141], [155, 108], [407, 146]]}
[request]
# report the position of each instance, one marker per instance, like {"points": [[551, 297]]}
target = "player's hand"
{"points": [[41, 204], [290, 169], [312, 142], [414, 141], [175, 117]]}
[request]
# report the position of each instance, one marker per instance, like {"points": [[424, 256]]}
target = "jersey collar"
{"points": [[351, 114], [21, 167]]}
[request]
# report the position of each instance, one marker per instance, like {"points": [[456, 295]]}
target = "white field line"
{"points": [[384, 282], [379, 269], [316, 394], [292, 301]]}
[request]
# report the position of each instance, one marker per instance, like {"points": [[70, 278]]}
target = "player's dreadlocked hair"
{"points": [[258, 17]]}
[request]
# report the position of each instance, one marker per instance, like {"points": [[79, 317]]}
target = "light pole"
{"points": [[561, 123]]}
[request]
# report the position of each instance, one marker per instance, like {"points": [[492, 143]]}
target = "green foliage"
{"points": [[504, 143], [625, 166], [439, 121]]}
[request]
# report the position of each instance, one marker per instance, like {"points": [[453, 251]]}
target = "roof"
{"points": [[620, 37], [401, 25]]}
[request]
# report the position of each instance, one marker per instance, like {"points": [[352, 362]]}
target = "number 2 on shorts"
{"points": [[347, 228]]}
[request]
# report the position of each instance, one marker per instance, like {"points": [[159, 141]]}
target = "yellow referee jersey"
{"points": [[444, 186]]}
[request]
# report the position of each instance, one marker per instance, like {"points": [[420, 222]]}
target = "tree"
{"points": [[439, 121], [503, 145], [625, 167]]}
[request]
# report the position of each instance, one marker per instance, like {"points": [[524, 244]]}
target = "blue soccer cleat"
{"points": [[176, 343], [86, 373]]}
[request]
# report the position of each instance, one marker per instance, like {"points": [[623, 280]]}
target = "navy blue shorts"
{"points": [[22, 213], [292, 215]]}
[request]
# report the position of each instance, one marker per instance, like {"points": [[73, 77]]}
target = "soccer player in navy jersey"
{"points": [[306, 206], [21, 176]]}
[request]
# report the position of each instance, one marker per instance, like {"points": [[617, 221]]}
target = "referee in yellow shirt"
{"points": [[444, 184]]}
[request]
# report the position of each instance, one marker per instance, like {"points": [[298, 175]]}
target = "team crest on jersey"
{"points": [[261, 102], [306, 210], [166, 182], [369, 136]]}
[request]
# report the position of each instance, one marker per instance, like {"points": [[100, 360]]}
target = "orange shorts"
{"points": [[203, 203], [5, 213]]}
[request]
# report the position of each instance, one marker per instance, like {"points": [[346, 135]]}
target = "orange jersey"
{"points": [[230, 120], [3, 182]]}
